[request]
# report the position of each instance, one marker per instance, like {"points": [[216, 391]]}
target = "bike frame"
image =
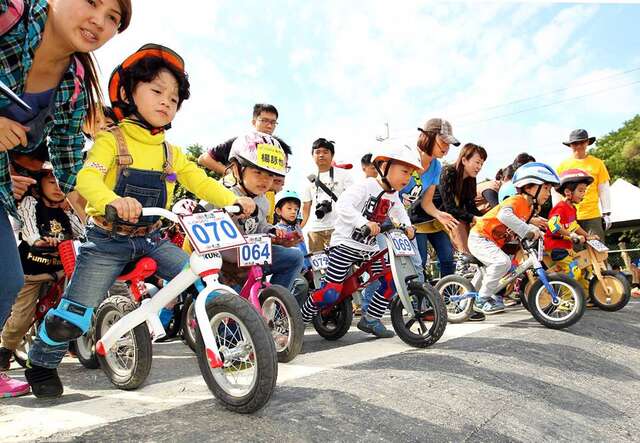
{"points": [[252, 287], [532, 262], [206, 267]]}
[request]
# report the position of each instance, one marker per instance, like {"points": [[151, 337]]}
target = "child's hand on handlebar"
{"points": [[592, 237], [410, 231], [577, 238], [247, 204], [47, 241], [287, 239], [540, 222], [129, 209], [374, 228], [534, 233]]}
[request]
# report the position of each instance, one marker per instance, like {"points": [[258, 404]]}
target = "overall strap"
{"points": [[168, 172], [123, 157]]}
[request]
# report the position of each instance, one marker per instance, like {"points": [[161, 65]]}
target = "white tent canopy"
{"points": [[625, 202]]}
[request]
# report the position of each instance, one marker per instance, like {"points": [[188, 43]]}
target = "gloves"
{"points": [[607, 221]]}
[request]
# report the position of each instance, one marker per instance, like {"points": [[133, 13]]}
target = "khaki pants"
{"points": [[24, 309], [319, 240]]}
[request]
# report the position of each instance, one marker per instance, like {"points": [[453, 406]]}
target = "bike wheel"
{"points": [[567, 311], [189, 323], [21, 354], [127, 365], [284, 319], [430, 319], [335, 323], [456, 285], [619, 287], [248, 376]]}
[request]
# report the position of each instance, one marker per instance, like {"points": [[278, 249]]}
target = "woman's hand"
{"points": [[12, 134], [410, 231], [20, 185], [247, 204], [129, 209], [447, 220], [540, 222]]}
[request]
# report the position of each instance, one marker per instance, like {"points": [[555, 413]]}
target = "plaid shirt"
{"points": [[62, 132]]}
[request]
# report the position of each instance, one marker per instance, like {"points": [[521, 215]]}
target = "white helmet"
{"points": [[184, 206], [534, 173], [261, 151], [398, 152]]}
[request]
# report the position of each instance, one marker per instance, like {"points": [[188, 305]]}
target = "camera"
{"points": [[323, 208]]}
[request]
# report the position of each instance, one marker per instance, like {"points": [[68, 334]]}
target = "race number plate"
{"points": [[401, 244], [598, 245], [211, 231], [319, 262], [257, 251]]}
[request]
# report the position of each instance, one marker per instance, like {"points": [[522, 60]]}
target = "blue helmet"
{"points": [[535, 173], [284, 196]]}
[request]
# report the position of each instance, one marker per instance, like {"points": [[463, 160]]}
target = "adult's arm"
{"points": [[306, 212], [209, 162], [427, 204], [217, 158]]}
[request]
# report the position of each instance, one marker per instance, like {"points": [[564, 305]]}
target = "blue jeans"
{"points": [[12, 275], [444, 250], [285, 267], [100, 261]]}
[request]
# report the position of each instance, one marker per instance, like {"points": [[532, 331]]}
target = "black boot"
{"points": [[5, 356], [44, 382]]}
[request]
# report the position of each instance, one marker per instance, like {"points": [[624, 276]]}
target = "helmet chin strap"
{"points": [[383, 174], [536, 206]]}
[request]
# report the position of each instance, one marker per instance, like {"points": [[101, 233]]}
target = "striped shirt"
{"points": [[62, 133]]}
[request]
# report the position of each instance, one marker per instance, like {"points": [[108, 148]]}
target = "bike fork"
{"points": [[545, 281]]}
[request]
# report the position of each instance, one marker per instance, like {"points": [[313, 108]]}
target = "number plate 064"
{"points": [[257, 251]]}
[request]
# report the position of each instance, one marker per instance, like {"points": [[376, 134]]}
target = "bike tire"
{"points": [[263, 347], [620, 286], [341, 315], [421, 295], [455, 314], [540, 301], [109, 311], [188, 321], [295, 326]]}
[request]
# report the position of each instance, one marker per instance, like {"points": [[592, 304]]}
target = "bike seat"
{"points": [[471, 260], [143, 268]]}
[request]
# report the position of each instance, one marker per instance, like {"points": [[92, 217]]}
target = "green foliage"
{"points": [[193, 152], [620, 150]]}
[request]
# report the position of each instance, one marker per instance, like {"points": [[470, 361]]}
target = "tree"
{"points": [[193, 152], [620, 151]]}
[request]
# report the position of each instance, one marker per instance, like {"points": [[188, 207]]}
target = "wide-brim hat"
{"points": [[579, 135]]}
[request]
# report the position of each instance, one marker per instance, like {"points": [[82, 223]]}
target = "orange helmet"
{"points": [[119, 79]]}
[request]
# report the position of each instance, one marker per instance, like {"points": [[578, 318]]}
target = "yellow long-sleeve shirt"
{"points": [[97, 179]]}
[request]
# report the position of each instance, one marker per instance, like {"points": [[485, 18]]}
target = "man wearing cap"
{"points": [[590, 218]]}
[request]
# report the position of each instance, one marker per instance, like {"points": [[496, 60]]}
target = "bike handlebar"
{"points": [[111, 213], [384, 227]]}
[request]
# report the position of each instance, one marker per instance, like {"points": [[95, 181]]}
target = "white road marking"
{"points": [[24, 423]]}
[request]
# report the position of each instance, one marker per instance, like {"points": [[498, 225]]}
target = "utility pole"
{"points": [[380, 138]]}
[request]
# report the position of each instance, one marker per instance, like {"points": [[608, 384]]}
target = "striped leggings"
{"points": [[341, 259]]}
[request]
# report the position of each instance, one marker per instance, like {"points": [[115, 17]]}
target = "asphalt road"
{"points": [[506, 379]]}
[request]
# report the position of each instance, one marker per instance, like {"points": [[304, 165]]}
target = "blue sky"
{"points": [[340, 70]]}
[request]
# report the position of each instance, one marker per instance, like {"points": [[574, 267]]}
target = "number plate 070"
{"points": [[211, 231]]}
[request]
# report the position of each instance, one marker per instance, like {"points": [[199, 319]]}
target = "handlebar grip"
{"points": [[365, 230], [111, 214]]}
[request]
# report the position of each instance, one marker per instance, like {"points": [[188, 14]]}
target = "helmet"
{"points": [[118, 78], [534, 173], [261, 151], [184, 206], [573, 176], [284, 196], [396, 152]]}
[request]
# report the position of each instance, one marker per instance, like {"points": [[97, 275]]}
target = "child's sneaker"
{"points": [[477, 316], [374, 327], [5, 357], [44, 382], [488, 307], [12, 388]]}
